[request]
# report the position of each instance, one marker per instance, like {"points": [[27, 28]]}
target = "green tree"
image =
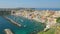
{"points": [[58, 20]]}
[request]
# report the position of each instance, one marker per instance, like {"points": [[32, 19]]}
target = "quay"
{"points": [[8, 31], [13, 22]]}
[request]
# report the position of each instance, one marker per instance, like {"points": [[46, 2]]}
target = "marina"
{"points": [[28, 26], [28, 21], [29, 16]]}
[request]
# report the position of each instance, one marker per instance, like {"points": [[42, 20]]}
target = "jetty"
{"points": [[8, 31], [12, 21]]}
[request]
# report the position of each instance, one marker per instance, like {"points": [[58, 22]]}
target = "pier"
{"points": [[13, 22], [8, 31]]}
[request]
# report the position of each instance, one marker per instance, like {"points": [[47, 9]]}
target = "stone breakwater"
{"points": [[13, 22], [8, 31]]}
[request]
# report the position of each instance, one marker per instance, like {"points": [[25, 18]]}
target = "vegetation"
{"points": [[54, 30], [51, 31], [58, 20]]}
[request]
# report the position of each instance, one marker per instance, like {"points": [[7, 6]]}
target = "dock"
{"points": [[12, 21], [8, 31]]}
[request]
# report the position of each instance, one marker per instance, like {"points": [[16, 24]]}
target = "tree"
{"points": [[58, 20]]}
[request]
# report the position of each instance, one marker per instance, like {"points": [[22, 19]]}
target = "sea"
{"points": [[55, 9]]}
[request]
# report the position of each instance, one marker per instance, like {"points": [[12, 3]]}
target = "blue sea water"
{"points": [[28, 26], [55, 9], [4, 24]]}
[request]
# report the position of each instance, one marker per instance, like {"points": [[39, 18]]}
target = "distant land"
{"points": [[30, 8]]}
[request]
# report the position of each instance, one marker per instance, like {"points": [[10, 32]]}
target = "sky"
{"points": [[30, 3]]}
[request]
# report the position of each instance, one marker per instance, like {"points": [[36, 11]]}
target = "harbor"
{"points": [[28, 26], [29, 16], [28, 21]]}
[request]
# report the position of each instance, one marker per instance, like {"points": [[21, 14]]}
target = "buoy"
{"points": [[21, 20], [24, 25]]}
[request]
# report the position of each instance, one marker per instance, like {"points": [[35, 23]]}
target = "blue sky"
{"points": [[30, 3]]}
